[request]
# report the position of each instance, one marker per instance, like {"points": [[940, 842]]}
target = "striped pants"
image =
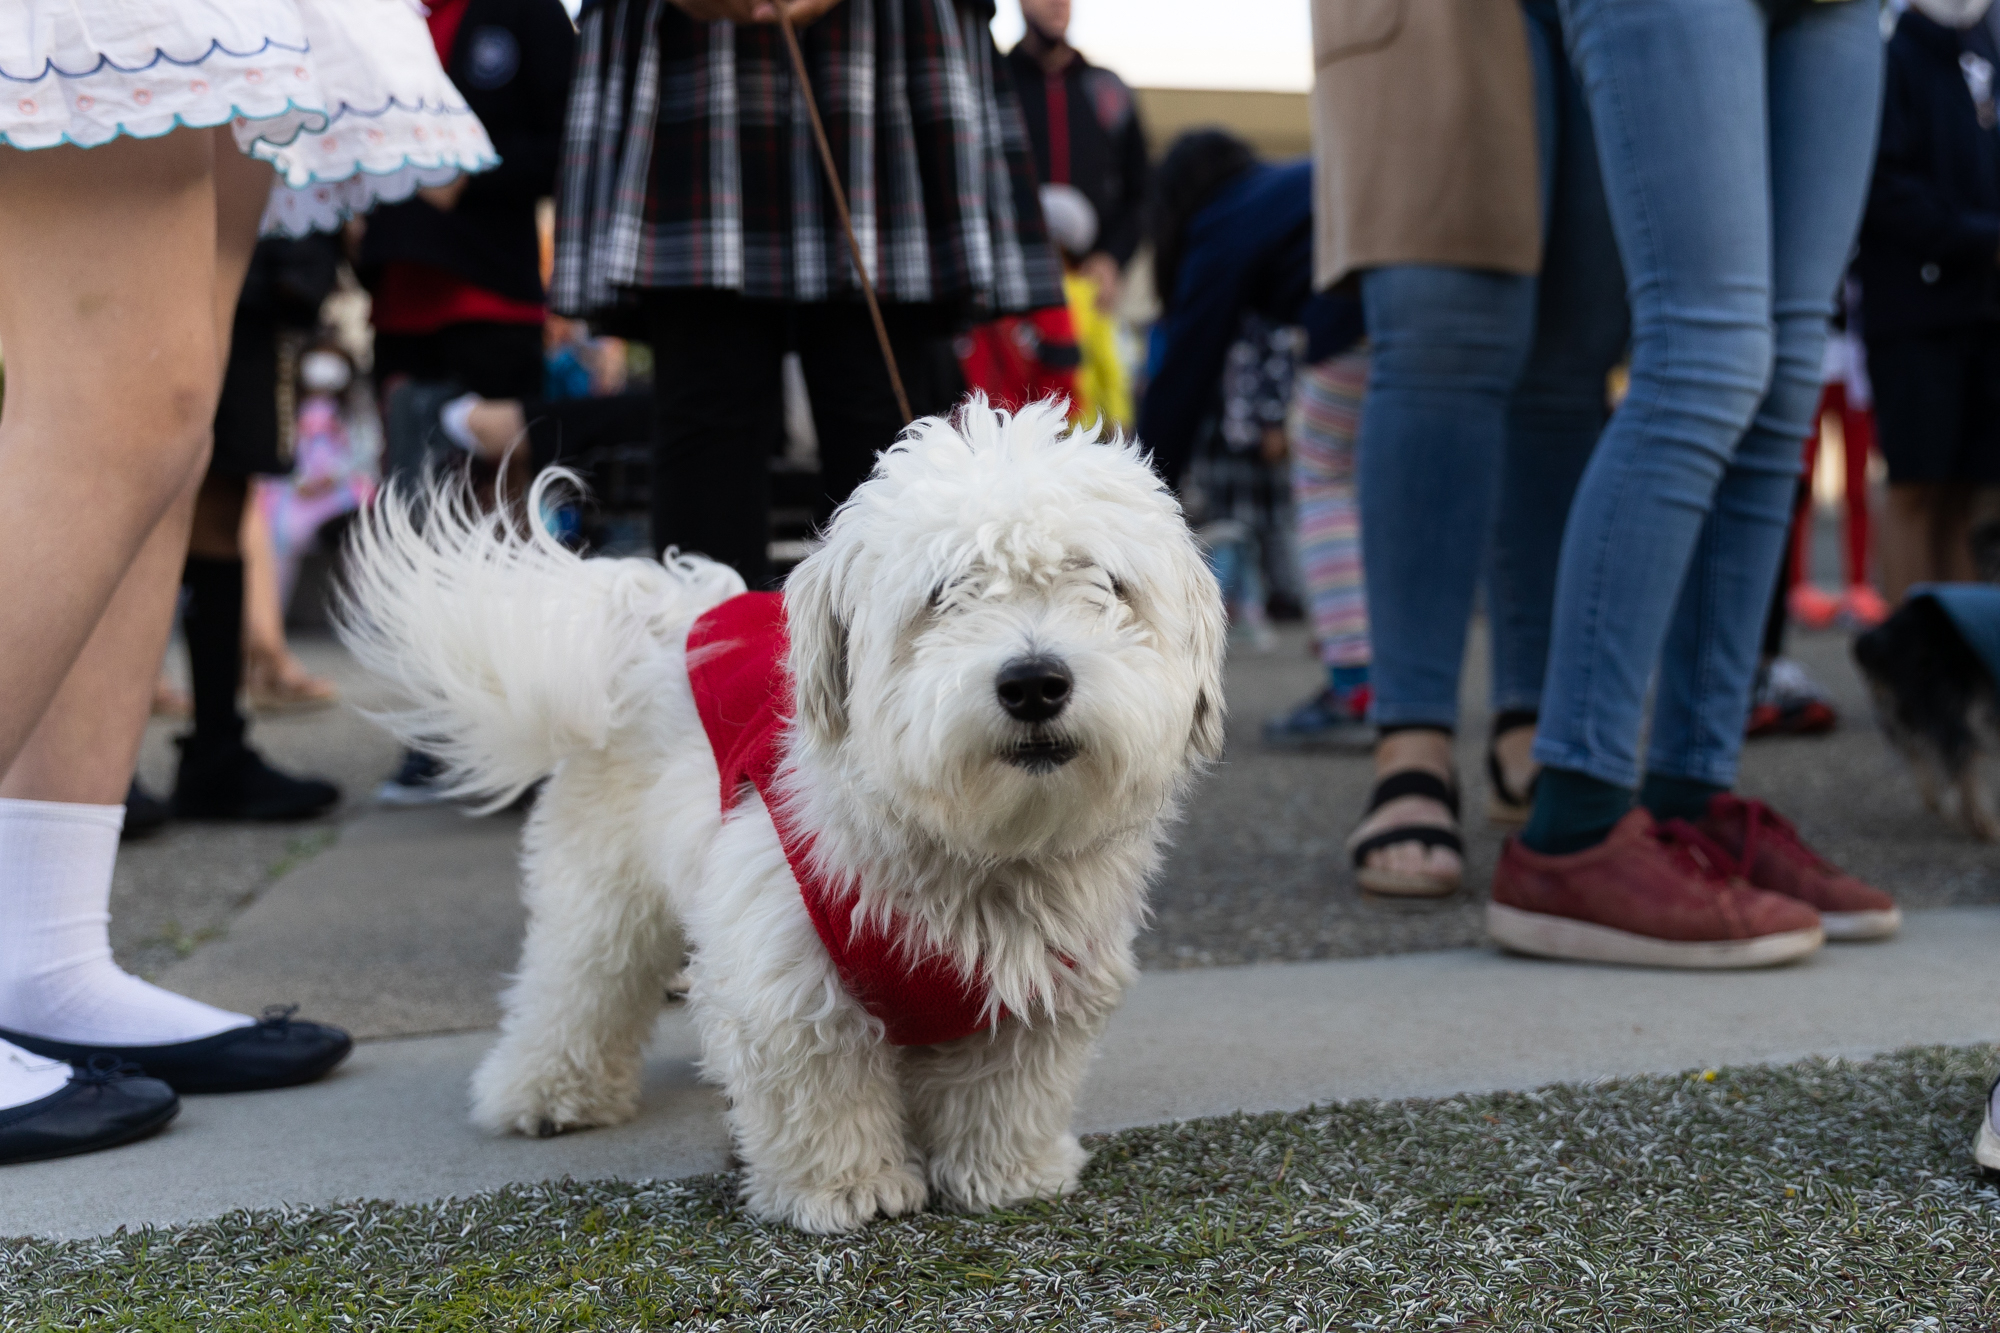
{"points": [[1326, 422]]}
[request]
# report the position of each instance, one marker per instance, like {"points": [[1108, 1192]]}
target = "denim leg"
{"points": [[1448, 345], [1825, 74], [1558, 409], [1678, 100]]}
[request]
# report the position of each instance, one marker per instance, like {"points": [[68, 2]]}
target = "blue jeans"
{"points": [[1485, 387], [1736, 159]]}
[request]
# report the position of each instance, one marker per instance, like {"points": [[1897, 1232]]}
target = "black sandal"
{"points": [[1404, 883], [1505, 806]]}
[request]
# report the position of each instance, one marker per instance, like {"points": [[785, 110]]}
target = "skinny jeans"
{"points": [[1736, 149]]}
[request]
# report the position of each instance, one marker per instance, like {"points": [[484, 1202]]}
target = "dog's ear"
{"points": [[818, 655], [1207, 642]]}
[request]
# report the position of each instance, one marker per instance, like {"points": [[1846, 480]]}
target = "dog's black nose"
{"points": [[1033, 689]]}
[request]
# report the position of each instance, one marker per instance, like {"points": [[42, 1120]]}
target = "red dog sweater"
{"points": [[744, 696]]}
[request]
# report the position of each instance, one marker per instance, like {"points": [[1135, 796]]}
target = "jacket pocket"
{"points": [[1343, 28]]}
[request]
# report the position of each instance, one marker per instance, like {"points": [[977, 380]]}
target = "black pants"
{"points": [[717, 360], [571, 431], [491, 360]]}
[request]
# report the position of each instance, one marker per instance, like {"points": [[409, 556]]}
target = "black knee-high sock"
{"points": [[214, 627]]}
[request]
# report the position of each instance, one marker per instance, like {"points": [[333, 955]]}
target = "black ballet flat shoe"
{"points": [[104, 1104], [278, 1051]]}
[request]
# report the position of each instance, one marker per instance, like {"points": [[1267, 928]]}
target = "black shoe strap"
{"points": [[1424, 835], [1414, 782]]}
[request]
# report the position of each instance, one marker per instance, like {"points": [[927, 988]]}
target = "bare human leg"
{"points": [[123, 406], [107, 277], [1906, 536], [274, 678]]}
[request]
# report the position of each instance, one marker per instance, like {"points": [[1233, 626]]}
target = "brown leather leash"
{"points": [[840, 205]]}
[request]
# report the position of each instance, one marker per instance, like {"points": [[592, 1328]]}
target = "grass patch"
{"points": [[1814, 1196], [173, 935], [300, 850]]}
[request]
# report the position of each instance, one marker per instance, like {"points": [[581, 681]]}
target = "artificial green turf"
{"points": [[1834, 1195]]}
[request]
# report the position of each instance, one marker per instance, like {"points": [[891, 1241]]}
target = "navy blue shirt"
{"points": [[1251, 249]]}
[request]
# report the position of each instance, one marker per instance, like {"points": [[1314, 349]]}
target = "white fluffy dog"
{"points": [[1005, 662]]}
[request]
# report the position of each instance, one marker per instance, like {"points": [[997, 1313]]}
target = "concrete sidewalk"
{"points": [[391, 1123]]}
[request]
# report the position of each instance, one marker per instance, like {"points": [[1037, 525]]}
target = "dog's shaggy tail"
{"points": [[513, 651]]}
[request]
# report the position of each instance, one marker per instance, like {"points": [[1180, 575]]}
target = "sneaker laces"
{"points": [[1696, 852], [1760, 820]]}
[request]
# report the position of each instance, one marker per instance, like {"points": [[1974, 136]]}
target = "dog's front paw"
{"points": [[514, 1096], [976, 1187], [826, 1211]]}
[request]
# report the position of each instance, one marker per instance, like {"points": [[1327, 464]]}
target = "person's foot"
{"points": [[1785, 701], [1327, 721], [170, 700], [1763, 848], [284, 685], [1862, 608], [1408, 845], [276, 1051], [1511, 775], [48, 1109], [419, 781], [232, 781], [1648, 896], [1811, 607], [1986, 1143], [145, 813]]}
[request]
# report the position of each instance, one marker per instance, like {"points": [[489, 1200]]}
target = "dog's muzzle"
{"points": [[1035, 690], [1041, 754]]}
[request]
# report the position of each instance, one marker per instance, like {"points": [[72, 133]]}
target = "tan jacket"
{"points": [[1423, 136]]}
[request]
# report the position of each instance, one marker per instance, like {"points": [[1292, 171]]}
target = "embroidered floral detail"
{"points": [[143, 96]]}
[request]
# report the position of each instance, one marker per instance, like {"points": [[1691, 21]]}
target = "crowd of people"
{"points": [[1543, 327]]}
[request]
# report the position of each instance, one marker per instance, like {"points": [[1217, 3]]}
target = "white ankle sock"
{"points": [[28, 1078], [57, 979]]}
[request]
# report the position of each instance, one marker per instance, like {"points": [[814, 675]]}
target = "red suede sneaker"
{"points": [[1761, 846], [1646, 895]]}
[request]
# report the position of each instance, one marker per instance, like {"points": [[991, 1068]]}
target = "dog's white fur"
{"points": [[975, 542]]}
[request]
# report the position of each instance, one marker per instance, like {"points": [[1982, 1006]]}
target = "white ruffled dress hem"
{"points": [[345, 98]]}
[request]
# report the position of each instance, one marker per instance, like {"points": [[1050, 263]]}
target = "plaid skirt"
{"points": [[689, 161]]}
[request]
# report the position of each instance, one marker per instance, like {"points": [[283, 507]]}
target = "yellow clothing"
{"points": [[1101, 386]]}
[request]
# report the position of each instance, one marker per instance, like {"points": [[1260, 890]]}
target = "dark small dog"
{"points": [[1937, 703]]}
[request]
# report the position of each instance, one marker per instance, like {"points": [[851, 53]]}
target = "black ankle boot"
{"points": [[226, 779], [145, 813]]}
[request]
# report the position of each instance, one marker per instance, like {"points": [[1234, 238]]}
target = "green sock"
{"points": [[1670, 797], [1573, 812]]}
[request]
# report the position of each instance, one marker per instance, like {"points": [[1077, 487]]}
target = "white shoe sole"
{"points": [[1580, 941], [396, 794], [1986, 1144], [1850, 927]]}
